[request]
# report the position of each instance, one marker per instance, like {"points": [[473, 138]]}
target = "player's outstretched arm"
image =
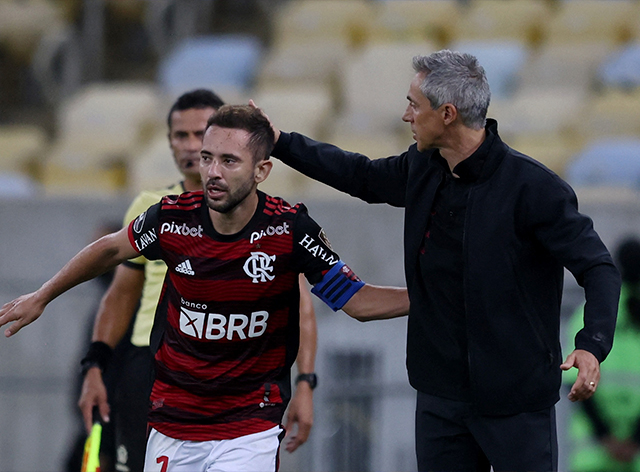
{"points": [[95, 259], [372, 302], [299, 419], [117, 308]]}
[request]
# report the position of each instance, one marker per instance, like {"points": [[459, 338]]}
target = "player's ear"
{"points": [[262, 170]]}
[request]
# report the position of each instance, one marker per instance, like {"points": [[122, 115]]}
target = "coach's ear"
{"points": [[262, 170]]}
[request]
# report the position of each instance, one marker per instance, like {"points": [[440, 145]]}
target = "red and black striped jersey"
{"points": [[228, 313]]}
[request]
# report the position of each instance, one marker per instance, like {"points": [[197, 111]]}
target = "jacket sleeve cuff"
{"points": [[591, 347], [282, 146]]}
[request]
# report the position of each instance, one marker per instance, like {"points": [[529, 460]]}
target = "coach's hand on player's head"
{"points": [[22, 311], [276, 131]]}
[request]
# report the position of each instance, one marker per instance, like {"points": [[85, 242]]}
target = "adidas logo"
{"points": [[185, 268]]}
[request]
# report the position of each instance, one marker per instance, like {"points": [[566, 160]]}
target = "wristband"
{"points": [[98, 355], [337, 286], [312, 379]]}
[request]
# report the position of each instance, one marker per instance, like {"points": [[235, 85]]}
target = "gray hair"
{"points": [[456, 78]]}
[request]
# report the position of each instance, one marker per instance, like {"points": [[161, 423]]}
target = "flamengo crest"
{"points": [[259, 267]]}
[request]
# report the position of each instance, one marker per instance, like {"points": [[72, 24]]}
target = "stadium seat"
{"points": [[609, 21], [226, 63], [347, 20], [554, 151], [105, 120], [22, 148], [611, 113], [502, 61], [538, 112], [542, 123], [23, 23], [375, 83], [411, 20], [312, 62], [571, 66], [304, 107], [57, 64], [520, 20], [607, 162], [17, 185], [622, 68], [98, 128], [153, 166]]}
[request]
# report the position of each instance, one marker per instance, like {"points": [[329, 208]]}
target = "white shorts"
{"points": [[251, 453]]}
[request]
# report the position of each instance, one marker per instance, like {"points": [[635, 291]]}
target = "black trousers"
{"points": [[132, 407], [450, 437]]}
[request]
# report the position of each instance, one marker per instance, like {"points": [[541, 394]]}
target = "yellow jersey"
{"points": [[154, 271]]}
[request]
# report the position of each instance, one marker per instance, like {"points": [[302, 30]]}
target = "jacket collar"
{"points": [[483, 162], [495, 153]]}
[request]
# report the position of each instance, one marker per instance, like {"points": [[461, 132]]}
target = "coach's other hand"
{"points": [[588, 374]]}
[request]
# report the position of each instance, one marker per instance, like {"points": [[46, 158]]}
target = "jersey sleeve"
{"points": [[143, 233], [333, 281], [140, 204]]}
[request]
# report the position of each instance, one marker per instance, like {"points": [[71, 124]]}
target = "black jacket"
{"points": [[522, 227]]}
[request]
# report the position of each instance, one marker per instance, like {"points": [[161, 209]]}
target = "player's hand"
{"points": [[300, 414], [94, 393], [276, 131], [22, 311], [588, 374]]}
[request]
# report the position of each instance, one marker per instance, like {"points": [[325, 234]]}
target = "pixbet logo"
{"points": [[214, 326], [183, 229], [270, 231], [259, 267]]}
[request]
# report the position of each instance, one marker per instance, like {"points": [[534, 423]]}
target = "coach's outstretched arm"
{"points": [[95, 259]]}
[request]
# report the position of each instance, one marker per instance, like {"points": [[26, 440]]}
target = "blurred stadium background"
{"points": [[85, 86]]}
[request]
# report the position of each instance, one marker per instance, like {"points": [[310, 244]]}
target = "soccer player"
{"points": [[226, 331], [139, 281]]}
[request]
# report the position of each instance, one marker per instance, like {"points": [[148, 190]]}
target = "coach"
{"points": [[488, 232]]}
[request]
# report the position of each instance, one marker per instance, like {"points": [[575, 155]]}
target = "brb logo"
{"points": [[213, 326], [259, 267]]}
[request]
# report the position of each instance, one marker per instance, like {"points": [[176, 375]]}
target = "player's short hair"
{"points": [[198, 99], [456, 78], [250, 119]]}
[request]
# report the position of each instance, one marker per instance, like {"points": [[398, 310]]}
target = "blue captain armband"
{"points": [[337, 286]]}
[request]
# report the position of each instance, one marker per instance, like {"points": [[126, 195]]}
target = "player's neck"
{"points": [[192, 185], [236, 219]]}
